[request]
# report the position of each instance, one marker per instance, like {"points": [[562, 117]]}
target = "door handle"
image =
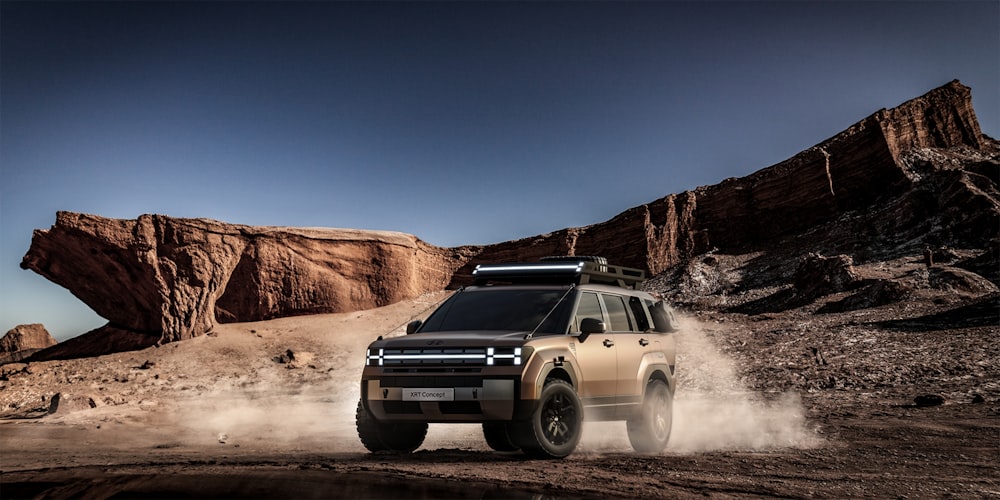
{"points": [[643, 342], [609, 343]]}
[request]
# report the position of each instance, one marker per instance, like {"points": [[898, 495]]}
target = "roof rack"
{"points": [[560, 270]]}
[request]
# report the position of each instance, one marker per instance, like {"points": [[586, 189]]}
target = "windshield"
{"points": [[500, 309]]}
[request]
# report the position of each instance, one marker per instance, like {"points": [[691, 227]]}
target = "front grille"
{"points": [[444, 356], [434, 356]]}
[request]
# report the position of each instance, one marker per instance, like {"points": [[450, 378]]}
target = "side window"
{"points": [[639, 312], [617, 314], [589, 307]]}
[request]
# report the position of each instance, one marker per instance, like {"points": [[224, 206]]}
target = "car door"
{"points": [[597, 359], [630, 347]]}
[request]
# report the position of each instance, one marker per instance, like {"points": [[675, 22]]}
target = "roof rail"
{"points": [[561, 270]]}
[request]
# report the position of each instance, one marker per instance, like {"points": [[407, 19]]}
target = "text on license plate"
{"points": [[447, 394]]}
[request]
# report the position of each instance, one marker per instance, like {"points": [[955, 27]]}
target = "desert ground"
{"points": [[800, 404]]}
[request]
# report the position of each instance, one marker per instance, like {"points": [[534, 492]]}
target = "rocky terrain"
{"points": [[840, 320]]}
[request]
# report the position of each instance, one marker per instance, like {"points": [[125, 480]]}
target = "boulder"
{"points": [[879, 293], [959, 280], [817, 275], [22, 341], [62, 403], [21, 337], [927, 400]]}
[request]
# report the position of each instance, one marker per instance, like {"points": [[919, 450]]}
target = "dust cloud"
{"points": [[304, 405], [308, 405], [714, 411], [277, 412], [315, 418]]}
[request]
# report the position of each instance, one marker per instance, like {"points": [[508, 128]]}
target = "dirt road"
{"points": [[947, 451]]}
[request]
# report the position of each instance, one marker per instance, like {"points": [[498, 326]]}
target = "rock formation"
{"points": [[921, 173], [174, 278], [22, 341], [869, 163]]}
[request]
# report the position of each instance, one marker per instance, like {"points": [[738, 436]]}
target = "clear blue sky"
{"points": [[461, 123]]}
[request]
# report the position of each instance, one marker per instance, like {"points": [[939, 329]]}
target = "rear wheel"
{"points": [[650, 431], [554, 429], [377, 436], [498, 437]]}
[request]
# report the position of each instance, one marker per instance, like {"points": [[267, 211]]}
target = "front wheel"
{"points": [[554, 428], [650, 431], [401, 437]]}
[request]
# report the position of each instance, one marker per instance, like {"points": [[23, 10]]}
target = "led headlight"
{"points": [[375, 357], [507, 356]]}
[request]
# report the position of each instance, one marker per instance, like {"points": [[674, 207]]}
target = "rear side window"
{"points": [[617, 314], [590, 307], [639, 312]]}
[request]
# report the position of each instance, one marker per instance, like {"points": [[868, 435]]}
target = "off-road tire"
{"points": [[650, 431], [399, 437], [498, 436], [554, 428]]}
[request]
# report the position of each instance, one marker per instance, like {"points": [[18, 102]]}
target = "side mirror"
{"points": [[412, 326], [589, 326]]}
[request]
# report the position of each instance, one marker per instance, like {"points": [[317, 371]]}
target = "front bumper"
{"points": [[443, 399]]}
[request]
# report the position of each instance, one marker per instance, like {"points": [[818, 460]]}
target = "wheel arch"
{"points": [[549, 363], [659, 373], [560, 373]]}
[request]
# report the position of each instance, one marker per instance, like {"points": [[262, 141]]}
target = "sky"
{"points": [[458, 122]]}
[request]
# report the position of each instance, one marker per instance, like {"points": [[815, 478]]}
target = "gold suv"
{"points": [[529, 351]]}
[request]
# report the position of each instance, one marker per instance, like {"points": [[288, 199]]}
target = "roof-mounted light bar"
{"points": [[530, 267], [563, 271]]}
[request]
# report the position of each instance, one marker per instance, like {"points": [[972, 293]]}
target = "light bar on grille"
{"points": [[490, 356]]}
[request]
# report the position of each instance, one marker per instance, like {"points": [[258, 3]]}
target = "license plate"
{"points": [[429, 394]]}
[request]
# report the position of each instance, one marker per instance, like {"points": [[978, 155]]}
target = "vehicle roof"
{"points": [[585, 287]]}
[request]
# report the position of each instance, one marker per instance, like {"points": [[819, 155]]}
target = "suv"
{"points": [[528, 350]]}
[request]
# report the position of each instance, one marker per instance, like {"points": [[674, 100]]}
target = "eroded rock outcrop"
{"points": [[174, 278]]}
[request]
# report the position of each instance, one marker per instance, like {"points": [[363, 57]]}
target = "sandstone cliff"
{"points": [[174, 278], [856, 169], [921, 173]]}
